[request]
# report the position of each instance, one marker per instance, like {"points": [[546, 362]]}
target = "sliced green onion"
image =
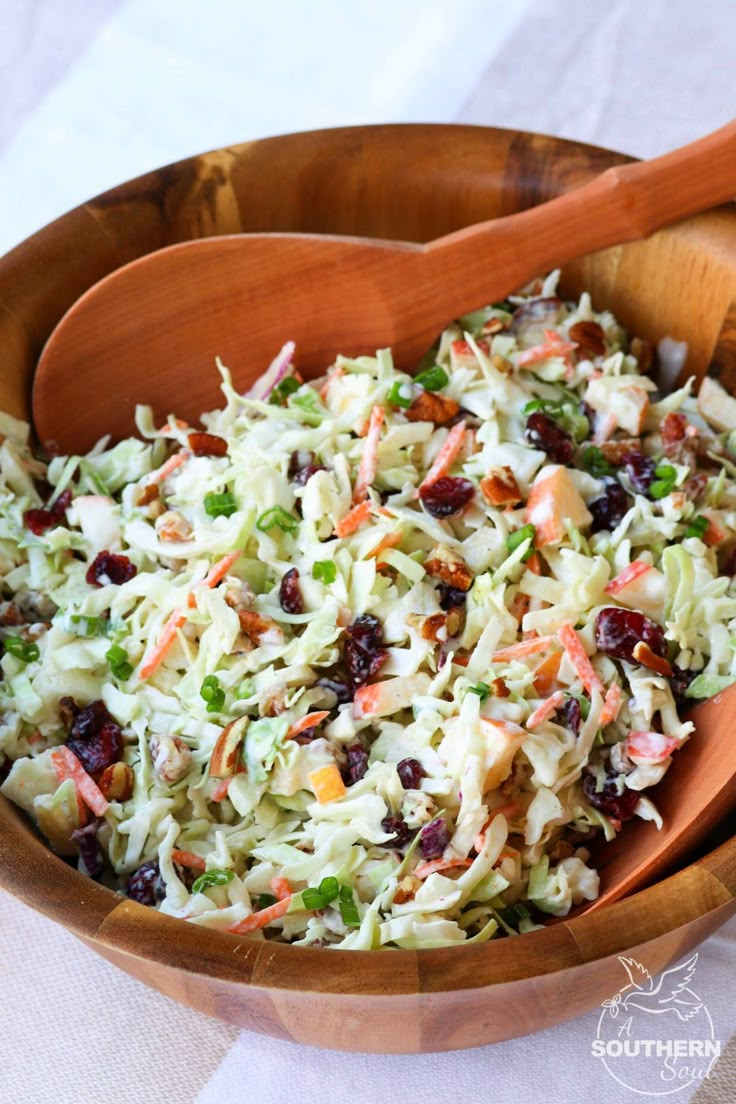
{"points": [[325, 570], [434, 379], [210, 878], [120, 667], [549, 406], [398, 396], [26, 653], [697, 527], [282, 390], [513, 540], [85, 625], [482, 689], [265, 901], [211, 692], [665, 471], [312, 898], [348, 907], [660, 488], [595, 462], [277, 516], [329, 889], [220, 505]]}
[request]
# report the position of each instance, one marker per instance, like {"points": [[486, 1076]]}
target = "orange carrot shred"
{"points": [[552, 346], [190, 860], [353, 519], [369, 459], [436, 866], [446, 456], [220, 791], [545, 710], [309, 721], [611, 704], [166, 639], [545, 674], [262, 918], [522, 649], [170, 466], [571, 643], [280, 888], [503, 810], [66, 765], [215, 575]]}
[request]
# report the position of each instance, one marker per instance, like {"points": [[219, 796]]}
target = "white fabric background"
{"points": [[93, 92]]}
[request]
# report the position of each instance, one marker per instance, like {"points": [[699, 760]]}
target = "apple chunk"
{"points": [[553, 502], [226, 752]]}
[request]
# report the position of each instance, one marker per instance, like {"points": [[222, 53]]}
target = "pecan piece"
{"points": [[617, 451], [643, 654], [171, 757], [679, 439], [207, 444], [173, 527], [117, 781], [500, 488], [406, 889], [148, 494], [260, 629], [448, 566], [589, 338], [494, 326], [643, 350], [429, 406]]}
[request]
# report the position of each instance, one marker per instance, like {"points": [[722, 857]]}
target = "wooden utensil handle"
{"points": [[624, 203]]}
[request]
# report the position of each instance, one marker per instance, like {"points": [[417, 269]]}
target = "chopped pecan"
{"points": [[173, 527], [617, 451], [643, 654], [643, 350], [679, 439], [439, 626], [500, 488], [406, 889], [448, 566], [207, 444], [117, 781], [429, 406], [494, 326], [500, 689], [693, 487], [560, 849], [148, 494], [589, 338], [260, 629], [170, 756], [10, 615], [505, 367]]}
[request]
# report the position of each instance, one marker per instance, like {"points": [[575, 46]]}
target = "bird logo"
{"points": [[670, 994]]}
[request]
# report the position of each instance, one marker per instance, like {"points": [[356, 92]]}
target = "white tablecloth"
{"points": [[93, 92]]}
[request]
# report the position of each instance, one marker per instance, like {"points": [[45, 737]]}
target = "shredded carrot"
{"points": [[552, 346], [503, 810], [545, 674], [170, 466], [166, 430], [436, 866], [66, 765], [336, 373], [446, 456], [353, 519], [166, 639], [369, 459], [327, 784], [462, 661], [523, 648], [534, 564], [220, 791], [519, 606], [545, 710], [389, 541], [280, 888], [631, 572], [309, 721], [215, 575], [578, 657], [262, 918], [611, 704], [190, 860]]}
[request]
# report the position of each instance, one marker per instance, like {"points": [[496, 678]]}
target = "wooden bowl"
{"points": [[412, 182]]}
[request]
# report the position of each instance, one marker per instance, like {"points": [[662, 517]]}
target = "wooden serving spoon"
{"points": [[149, 332]]}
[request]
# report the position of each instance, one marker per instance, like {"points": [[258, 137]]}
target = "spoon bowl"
{"points": [[149, 332]]}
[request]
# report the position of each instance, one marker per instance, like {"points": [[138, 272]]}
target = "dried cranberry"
{"points": [[109, 568], [447, 495], [400, 832], [290, 595], [433, 839], [618, 631], [38, 521], [90, 854], [619, 806], [570, 714], [357, 764], [610, 508], [451, 597], [95, 738], [544, 433], [729, 564], [411, 772], [302, 467], [340, 689], [679, 682], [363, 649], [146, 886], [640, 470]]}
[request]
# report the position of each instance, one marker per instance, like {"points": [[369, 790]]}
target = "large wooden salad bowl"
{"points": [[411, 182]]}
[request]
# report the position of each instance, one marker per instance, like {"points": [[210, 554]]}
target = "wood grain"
{"points": [[416, 183], [157, 323]]}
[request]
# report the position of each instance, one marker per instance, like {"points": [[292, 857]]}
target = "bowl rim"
{"points": [[114, 924]]}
